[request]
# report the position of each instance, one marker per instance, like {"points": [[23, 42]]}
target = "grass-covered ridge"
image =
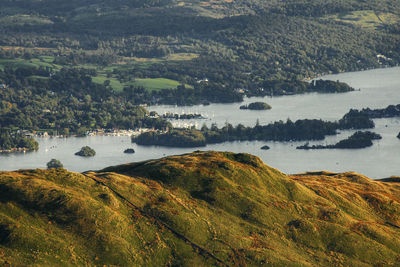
{"points": [[198, 209]]}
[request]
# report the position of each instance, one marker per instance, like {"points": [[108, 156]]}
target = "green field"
{"points": [[367, 19], [157, 83], [114, 83], [43, 61], [181, 56], [124, 64], [127, 63], [143, 63], [147, 83]]}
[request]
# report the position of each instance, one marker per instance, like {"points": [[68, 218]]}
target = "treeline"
{"points": [[183, 96], [301, 130], [323, 8], [290, 87], [10, 141], [354, 117], [61, 7], [357, 140], [388, 112]]}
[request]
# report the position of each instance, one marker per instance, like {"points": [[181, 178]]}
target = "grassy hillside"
{"points": [[198, 209]]}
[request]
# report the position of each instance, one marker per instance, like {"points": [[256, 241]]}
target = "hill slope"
{"points": [[235, 44], [203, 208]]}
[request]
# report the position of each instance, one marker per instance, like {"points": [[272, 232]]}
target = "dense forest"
{"points": [[66, 103], [254, 45]]}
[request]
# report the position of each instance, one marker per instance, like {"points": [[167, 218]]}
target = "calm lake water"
{"points": [[378, 89]]}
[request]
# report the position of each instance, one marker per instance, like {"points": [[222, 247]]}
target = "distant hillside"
{"points": [[234, 44], [198, 209]]}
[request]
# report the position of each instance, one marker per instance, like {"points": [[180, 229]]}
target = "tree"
{"points": [[107, 83], [54, 164], [86, 151]]}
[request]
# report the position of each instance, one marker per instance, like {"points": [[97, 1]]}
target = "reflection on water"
{"points": [[379, 88]]}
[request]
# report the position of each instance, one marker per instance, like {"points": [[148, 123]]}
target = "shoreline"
{"points": [[97, 132], [16, 150]]}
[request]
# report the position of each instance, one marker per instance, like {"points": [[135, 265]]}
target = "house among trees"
{"points": [[239, 90], [204, 80]]}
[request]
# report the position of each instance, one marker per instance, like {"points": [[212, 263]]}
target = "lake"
{"points": [[378, 89]]}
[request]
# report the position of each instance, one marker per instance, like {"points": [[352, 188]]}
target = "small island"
{"points": [[256, 106], [265, 147], [86, 151], [172, 138], [129, 151], [357, 140]]}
